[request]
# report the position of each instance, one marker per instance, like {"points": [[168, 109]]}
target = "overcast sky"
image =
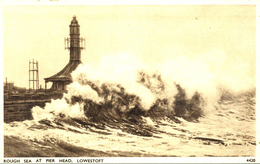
{"points": [[222, 36]]}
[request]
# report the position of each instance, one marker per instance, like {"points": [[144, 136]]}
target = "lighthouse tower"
{"points": [[74, 44]]}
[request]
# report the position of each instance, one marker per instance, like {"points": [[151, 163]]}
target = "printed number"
{"points": [[250, 160]]}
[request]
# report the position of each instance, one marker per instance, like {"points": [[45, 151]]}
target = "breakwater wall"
{"points": [[21, 110]]}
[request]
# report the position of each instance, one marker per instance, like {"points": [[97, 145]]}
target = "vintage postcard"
{"points": [[89, 82]]}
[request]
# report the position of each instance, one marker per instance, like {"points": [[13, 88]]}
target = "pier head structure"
{"points": [[74, 44]]}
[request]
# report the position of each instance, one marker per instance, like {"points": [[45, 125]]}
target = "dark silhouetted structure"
{"points": [[74, 44]]}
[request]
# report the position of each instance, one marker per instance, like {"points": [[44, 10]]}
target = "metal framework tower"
{"points": [[33, 74]]}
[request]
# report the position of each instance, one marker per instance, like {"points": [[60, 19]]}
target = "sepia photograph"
{"points": [[129, 81]]}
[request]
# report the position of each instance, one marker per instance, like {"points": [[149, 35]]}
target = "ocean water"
{"points": [[138, 115]]}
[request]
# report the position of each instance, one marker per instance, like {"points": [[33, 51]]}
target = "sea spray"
{"points": [[128, 82], [58, 108], [106, 98], [123, 94], [84, 91]]}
